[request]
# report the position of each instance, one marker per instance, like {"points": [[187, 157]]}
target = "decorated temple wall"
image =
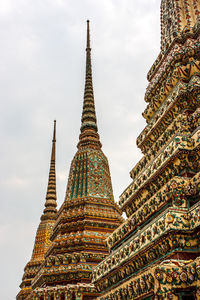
{"points": [[164, 71], [165, 281], [137, 250], [177, 16], [175, 157], [174, 193], [162, 202], [68, 292]]}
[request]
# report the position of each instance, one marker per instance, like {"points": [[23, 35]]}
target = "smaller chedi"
{"points": [[70, 242], [155, 253], [44, 231]]}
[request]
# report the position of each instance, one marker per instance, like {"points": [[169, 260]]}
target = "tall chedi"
{"points": [[155, 253], [86, 218], [44, 231]]}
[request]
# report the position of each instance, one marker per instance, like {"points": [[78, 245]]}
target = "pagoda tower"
{"points": [[44, 231], [86, 218], [155, 253]]}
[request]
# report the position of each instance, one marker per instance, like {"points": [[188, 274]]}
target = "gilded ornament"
{"points": [[159, 274], [169, 278], [169, 218], [183, 277]]}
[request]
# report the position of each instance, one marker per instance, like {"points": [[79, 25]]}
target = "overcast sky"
{"points": [[42, 67]]}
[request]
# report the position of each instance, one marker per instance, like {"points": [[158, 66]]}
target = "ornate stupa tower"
{"points": [[44, 231], [155, 253], [86, 218]]}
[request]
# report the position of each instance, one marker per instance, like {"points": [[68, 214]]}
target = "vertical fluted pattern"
{"points": [[51, 204]]}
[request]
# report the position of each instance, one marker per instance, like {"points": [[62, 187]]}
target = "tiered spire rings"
{"points": [[89, 131], [51, 204]]}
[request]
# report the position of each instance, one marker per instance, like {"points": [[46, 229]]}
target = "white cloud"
{"points": [[14, 182], [6, 7]]}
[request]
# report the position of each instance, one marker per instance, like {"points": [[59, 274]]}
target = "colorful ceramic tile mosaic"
{"points": [[155, 253]]}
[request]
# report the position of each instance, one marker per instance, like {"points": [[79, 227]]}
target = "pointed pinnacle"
{"points": [[50, 204], [53, 152], [89, 131], [54, 132], [88, 34]]}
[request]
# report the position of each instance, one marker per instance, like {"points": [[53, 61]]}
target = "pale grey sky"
{"points": [[42, 67]]}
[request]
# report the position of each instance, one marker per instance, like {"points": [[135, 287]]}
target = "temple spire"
{"points": [[50, 204], [89, 132]]}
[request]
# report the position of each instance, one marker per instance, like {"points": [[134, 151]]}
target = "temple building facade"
{"points": [[155, 253], [71, 241]]}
